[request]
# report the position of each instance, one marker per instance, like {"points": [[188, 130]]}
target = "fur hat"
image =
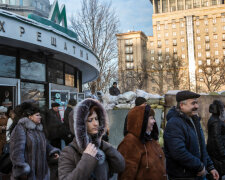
{"points": [[184, 95], [217, 108]]}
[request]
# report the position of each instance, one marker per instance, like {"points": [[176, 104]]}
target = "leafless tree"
{"points": [[96, 25], [168, 72], [212, 74], [134, 78]]}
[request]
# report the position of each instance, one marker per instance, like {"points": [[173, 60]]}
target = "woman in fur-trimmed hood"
{"points": [[143, 155], [88, 157], [29, 148]]}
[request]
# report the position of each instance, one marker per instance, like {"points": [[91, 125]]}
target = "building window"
{"points": [[7, 66], [32, 70], [129, 58], [69, 75], [129, 49], [128, 42], [216, 53], [216, 45], [208, 62], [207, 46], [167, 34], [182, 40], [174, 33], [223, 19], [152, 51], [159, 36], [33, 91], [223, 37], [152, 58], [214, 29], [166, 26], [224, 28], [174, 25], [199, 46], [217, 61], [130, 65], [151, 43], [199, 62], [167, 42], [207, 54], [167, 57], [197, 23], [181, 24], [200, 70], [158, 27], [55, 72], [198, 31], [206, 30], [223, 52], [214, 20], [159, 43], [183, 48], [183, 56], [217, 69], [198, 38], [199, 54], [215, 36], [167, 50], [207, 38], [181, 33], [201, 79]]}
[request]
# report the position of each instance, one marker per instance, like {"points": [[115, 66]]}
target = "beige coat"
{"points": [[75, 165]]}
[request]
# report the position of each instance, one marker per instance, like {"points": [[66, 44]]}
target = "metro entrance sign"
{"points": [[56, 16]]}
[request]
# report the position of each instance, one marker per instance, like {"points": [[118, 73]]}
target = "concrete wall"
{"points": [[116, 124]]}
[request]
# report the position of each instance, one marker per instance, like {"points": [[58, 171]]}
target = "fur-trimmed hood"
{"points": [[137, 121], [80, 116]]}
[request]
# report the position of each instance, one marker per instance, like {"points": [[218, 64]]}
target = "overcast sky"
{"points": [[133, 14]]}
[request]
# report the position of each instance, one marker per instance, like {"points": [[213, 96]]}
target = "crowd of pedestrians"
{"points": [[36, 153]]}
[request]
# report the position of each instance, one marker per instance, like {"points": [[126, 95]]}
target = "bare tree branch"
{"points": [[96, 25]]}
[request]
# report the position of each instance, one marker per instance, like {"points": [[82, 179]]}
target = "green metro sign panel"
{"points": [[56, 16]]}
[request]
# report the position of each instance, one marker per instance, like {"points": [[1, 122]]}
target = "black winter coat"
{"points": [[114, 91], [55, 127], [185, 148], [29, 151], [216, 141]]}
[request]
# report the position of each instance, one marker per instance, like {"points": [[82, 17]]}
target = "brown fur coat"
{"points": [[144, 161]]}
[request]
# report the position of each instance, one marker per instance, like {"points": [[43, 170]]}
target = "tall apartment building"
{"points": [[187, 34], [25, 7]]}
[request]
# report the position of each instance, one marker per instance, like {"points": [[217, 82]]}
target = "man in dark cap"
{"points": [[54, 126], [184, 142]]}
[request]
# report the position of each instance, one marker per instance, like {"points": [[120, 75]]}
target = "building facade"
{"points": [[25, 7], [42, 61], [188, 39]]}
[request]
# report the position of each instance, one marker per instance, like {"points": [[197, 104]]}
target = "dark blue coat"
{"points": [[185, 151]]}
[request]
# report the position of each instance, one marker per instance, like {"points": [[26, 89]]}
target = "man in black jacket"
{"points": [[114, 91], [184, 142], [216, 136], [55, 128]]}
